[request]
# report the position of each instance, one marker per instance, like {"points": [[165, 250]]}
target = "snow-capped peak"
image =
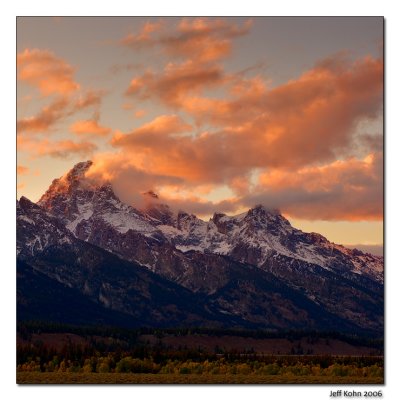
{"points": [[82, 203]]}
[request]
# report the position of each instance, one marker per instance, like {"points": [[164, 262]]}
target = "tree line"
{"points": [[27, 328]]}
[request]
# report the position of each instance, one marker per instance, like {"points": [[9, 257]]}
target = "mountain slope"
{"points": [[41, 298], [229, 294], [101, 277]]}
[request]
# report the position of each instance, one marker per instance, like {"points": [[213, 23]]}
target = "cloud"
{"points": [[90, 98], [201, 40], [44, 70], [175, 82], [349, 189], [129, 181], [52, 76], [200, 43], [298, 146], [296, 131], [306, 121], [22, 170], [144, 38], [158, 130], [89, 127], [66, 149], [204, 39], [59, 109], [131, 184], [46, 118], [140, 113], [55, 149]]}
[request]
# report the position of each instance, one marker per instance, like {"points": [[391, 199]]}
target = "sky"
{"points": [[212, 114]]}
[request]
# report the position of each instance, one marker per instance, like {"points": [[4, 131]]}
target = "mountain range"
{"points": [[85, 256]]}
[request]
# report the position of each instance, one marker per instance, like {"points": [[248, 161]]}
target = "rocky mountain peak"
{"points": [[79, 170], [317, 238], [24, 202], [217, 217], [261, 217], [105, 191], [74, 175], [161, 213], [24, 205], [68, 184], [263, 211]]}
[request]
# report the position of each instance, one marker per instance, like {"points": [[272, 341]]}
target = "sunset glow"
{"points": [[212, 114]]}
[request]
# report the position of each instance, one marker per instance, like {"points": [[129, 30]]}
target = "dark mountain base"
{"points": [[66, 305]]}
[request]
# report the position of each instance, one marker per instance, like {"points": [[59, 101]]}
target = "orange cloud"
{"points": [[52, 76], [21, 170], [60, 108], [66, 148], [288, 131], [176, 81], [157, 130], [305, 121], [203, 39], [91, 98], [144, 38], [343, 94], [56, 149], [89, 127], [128, 180], [42, 69], [201, 43], [140, 113], [46, 118], [291, 134], [200, 39], [349, 189]]}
